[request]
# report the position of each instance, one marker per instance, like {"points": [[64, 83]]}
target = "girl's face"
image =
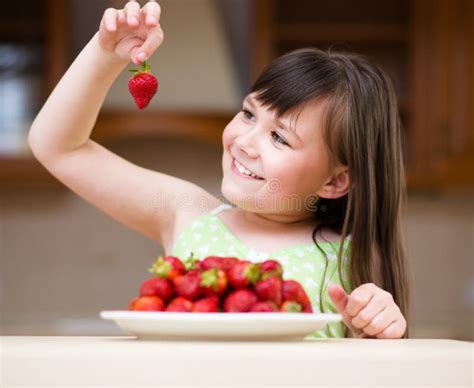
{"points": [[292, 163]]}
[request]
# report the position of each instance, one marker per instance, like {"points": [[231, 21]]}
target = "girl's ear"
{"points": [[337, 185]]}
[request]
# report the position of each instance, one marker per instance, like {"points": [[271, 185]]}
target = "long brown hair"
{"points": [[362, 130]]}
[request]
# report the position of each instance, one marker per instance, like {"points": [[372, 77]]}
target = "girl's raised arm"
{"points": [[60, 134]]}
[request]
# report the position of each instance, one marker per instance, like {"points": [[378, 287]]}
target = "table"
{"points": [[74, 361]]}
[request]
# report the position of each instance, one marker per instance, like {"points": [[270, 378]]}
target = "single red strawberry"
{"points": [[188, 285], [271, 268], [180, 305], [308, 308], [131, 304], [270, 289], [293, 291], [143, 85], [209, 304], [167, 267], [210, 262], [239, 301], [213, 282], [149, 303], [157, 287], [291, 307], [230, 262], [264, 307], [244, 274], [223, 263]]}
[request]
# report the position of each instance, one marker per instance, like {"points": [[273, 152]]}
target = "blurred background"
{"points": [[63, 261]]}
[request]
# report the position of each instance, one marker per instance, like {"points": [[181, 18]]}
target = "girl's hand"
{"points": [[369, 311], [132, 32]]}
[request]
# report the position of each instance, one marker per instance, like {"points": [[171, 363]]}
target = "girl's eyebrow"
{"points": [[251, 102]]}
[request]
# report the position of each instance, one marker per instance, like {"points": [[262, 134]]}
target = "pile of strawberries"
{"points": [[219, 284]]}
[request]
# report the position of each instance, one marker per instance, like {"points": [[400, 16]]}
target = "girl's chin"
{"points": [[237, 196], [241, 196]]}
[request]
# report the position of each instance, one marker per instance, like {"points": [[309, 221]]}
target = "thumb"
{"points": [[340, 298]]}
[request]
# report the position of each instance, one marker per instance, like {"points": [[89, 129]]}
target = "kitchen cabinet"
{"points": [[441, 145]]}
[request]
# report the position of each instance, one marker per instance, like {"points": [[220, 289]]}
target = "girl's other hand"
{"points": [[369, 311], [132, 33]]}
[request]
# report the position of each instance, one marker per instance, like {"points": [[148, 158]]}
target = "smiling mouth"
{"points": [[242, 170]]}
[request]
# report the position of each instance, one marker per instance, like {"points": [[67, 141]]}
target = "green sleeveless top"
{"points": [[207, 235]]}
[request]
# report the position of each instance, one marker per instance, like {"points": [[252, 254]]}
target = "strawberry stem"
{"points": [[253, 273], [160, 267], [209, 278], [145, 68], [292, 307]]}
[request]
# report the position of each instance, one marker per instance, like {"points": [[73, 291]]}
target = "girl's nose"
{"points": [[247, 144]]}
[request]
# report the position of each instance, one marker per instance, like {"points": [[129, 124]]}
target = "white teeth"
{"points": [[244, 170]]}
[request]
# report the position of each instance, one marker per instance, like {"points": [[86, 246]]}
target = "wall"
{"points": [[194, 58], [440, 244]]}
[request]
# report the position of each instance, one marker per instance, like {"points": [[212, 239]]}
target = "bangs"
{"points": [[294, 79], [301, 76]]}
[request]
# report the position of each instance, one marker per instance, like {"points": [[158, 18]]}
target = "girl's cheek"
{"points": [[229, 134], [225, 137]]}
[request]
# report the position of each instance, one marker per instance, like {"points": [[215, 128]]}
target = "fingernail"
{"points": [[142, 56], [134, 19], [152, 20]]}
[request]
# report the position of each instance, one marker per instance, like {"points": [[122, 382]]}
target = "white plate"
{"points": [[227, 326]]}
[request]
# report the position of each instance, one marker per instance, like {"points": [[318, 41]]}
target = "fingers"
{"points": [[376, 305], [132, 13], [375, 313], [152, 11], [340, 300], [394, 330], [338, 296], [155, 36], [152, 42], [108, 29], [112, 19], [381, 322], [109, 21], [150, 16], [360, 297]]}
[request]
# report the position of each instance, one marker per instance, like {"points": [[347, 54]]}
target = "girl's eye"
{"points": [[278, 138], [275, 136], [247, 114]]}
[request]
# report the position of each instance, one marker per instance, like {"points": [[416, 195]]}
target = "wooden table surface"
{"points": [[125, 361]]}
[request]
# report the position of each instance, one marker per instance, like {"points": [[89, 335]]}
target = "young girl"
{"points": [[312, 166]]}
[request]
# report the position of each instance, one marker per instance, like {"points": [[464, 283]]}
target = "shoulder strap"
{"points": [[220, 208]]}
